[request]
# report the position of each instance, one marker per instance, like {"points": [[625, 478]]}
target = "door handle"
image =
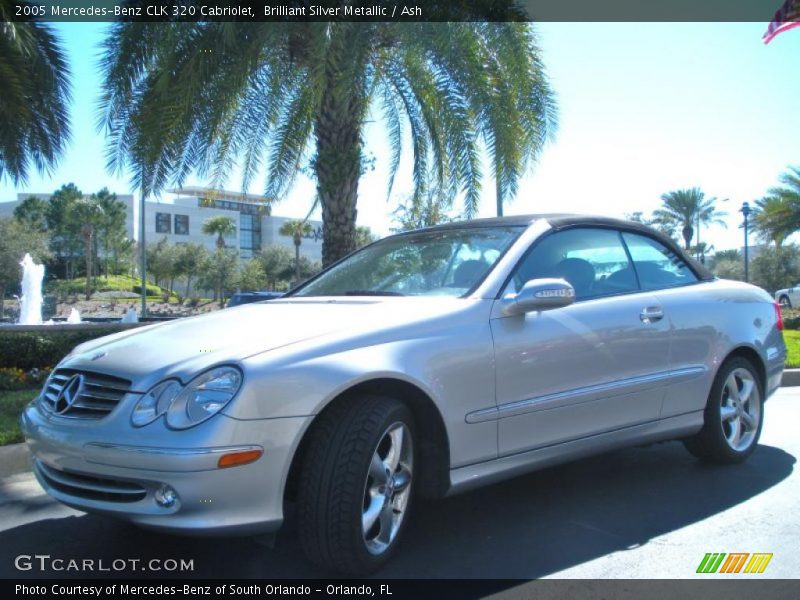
{"points": [[651, 314]]}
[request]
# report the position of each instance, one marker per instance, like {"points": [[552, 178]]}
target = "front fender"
{"points": [[455, 372]]}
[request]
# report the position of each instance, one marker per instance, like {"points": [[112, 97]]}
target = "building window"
{"points": [[249, 234], [181, 224], [163, 223]]}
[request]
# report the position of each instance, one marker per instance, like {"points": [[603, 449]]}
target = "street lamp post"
{"points": [[745, 210]]}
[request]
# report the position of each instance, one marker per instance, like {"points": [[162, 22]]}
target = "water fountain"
{"points": [[31, 301], [30, 304], [130, 316]]}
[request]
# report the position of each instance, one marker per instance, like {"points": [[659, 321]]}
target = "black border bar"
{"points": [[254, 11], [715, 588]]}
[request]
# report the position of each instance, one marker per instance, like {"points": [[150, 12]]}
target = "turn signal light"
{"points": [[234, 459]]}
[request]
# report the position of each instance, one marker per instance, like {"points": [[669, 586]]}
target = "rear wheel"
{"points": [[356, 484], [785, 302], [733, 415]]}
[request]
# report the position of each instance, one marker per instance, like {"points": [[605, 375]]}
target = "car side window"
{"points": [[593, 261], [656, 265]]}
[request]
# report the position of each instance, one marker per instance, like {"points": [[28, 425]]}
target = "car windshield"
{"points": [[442, 262]]}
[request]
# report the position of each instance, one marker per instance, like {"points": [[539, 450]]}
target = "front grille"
{"points": [[91, 395], [90, 487]]}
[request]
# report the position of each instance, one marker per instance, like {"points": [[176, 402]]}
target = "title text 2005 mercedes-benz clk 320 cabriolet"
{"points": [[428, 363]]}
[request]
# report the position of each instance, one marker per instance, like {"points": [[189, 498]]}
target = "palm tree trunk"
{"points": [[338, 164], [688, 233], [499, 198], [296, 263]]}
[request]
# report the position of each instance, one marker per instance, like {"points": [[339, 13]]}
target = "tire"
{"points": [[724, 416], [785, 302], [353, 475]]}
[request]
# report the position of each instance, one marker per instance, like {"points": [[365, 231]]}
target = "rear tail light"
{"points": [[778, 316]]}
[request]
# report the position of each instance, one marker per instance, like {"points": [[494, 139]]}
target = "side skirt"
{"points": [[473, 476]]}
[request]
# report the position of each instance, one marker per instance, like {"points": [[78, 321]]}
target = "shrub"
{"points": [[791, 318], [28, 350], [103, 285], [14, 378], [776, 268]]}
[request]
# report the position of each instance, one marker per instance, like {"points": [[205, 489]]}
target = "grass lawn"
{"points": [[792, 339], [11, 405]]}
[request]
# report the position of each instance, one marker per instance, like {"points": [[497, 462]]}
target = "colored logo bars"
{"points": [[735, 562]]}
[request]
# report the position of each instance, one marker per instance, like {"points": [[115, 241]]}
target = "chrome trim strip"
{"points": [[584, 394], [168, 451]]}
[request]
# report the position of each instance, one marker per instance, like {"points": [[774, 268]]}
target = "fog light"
{"points": [[166, 496]]}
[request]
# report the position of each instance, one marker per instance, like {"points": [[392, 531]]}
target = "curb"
{"points": [[14, 459], [791, 378]]}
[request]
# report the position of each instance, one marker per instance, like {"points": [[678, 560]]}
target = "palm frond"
{"points": [[35, 79]]}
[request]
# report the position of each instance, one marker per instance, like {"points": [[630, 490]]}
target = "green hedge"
{"points": [[113, 283], [38, 350]]}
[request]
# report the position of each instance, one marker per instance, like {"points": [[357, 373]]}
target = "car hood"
{"points": [[185, 346]]}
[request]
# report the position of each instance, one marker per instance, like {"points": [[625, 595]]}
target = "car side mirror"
{"points": [[541, 294]]}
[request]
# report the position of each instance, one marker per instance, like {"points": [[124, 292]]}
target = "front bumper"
{"points": [[80, 466]]}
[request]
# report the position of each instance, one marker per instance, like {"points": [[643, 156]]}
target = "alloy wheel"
{"points": [[740, 409], [387, 488]]}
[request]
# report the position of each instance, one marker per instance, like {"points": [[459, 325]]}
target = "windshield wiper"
{"points": [[371, 293]]}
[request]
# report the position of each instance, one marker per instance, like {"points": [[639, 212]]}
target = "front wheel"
{"points": [[785, 302], [733, 416], [356, 483]]}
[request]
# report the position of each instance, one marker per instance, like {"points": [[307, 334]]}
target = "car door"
{"points": [[665, 273], [591, 367]]}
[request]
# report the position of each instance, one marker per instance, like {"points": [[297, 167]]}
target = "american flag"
{"points": [[787, 17]]}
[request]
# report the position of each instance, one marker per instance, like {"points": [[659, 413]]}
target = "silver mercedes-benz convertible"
{"points": [[427, 363]]}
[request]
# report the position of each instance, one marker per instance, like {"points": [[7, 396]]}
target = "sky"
{"points": [[644, 108]]}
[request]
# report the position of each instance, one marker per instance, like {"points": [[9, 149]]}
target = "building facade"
{"points": [[180, 217]]}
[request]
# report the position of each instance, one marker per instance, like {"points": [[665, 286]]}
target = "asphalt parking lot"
{"points": [[650, 512]]}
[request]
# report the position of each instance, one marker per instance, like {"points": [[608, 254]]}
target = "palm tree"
{"points": [[221, 227], [785, 202], [282, 96], [296, 229], [790, 191], [34, 77], [684, 209], [774, 219]]}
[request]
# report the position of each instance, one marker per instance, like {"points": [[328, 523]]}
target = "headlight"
{"points": [[203, 397], [155, 402]]}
